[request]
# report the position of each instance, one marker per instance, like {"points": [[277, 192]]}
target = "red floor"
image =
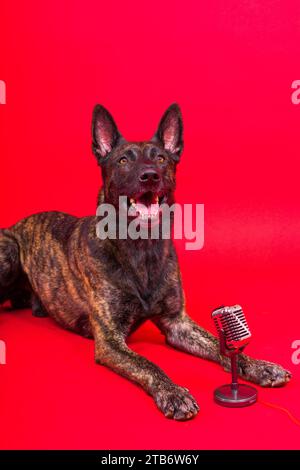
{"points": [[53, 396]]}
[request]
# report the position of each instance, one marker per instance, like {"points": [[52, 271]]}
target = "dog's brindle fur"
{"points": [[105, 289]]}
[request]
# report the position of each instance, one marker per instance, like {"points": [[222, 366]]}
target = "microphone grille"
{"points": [[232, 322]]}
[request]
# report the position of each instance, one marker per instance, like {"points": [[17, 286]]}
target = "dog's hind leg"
{"points": [[14, 285], [9, 264]]}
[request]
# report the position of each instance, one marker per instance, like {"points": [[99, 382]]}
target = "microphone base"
{"points": [[243, 395]]}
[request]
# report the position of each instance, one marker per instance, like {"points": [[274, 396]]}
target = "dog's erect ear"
{"points": [[170, 131], [105, 133]]}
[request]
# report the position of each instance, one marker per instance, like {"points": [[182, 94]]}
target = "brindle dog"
{"points": [[105, 289]]}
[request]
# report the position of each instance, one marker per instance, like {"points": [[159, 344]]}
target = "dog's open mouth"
{"points": [[146, 206]]}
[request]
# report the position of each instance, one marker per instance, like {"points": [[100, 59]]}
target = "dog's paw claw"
{"points": [[177, 403]]}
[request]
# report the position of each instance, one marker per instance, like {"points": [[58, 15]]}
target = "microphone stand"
{"points": [[234, 374], [234, 395]]}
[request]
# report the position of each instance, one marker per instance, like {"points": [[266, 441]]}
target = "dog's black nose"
{"points": [[148, 176]]}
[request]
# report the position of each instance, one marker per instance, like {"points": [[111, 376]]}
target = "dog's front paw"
{"points": [[264, 373], [176, 402]]}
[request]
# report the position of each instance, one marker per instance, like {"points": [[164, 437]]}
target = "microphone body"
{"points": [[232, 324], [234, 335]]}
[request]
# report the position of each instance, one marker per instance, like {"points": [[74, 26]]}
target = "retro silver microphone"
{"points": [[234, 335]]}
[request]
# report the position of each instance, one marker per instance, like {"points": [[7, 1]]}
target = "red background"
{"points": [[230, 65]]}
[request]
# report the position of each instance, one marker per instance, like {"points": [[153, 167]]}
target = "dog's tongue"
{"points": [[147, 211]]}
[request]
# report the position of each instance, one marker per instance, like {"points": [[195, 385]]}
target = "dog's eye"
{"points": [[160, 158], [123, 160]]}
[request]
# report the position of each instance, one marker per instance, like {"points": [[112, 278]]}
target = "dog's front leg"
{"points": [[183, 333], [111, 350]]}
